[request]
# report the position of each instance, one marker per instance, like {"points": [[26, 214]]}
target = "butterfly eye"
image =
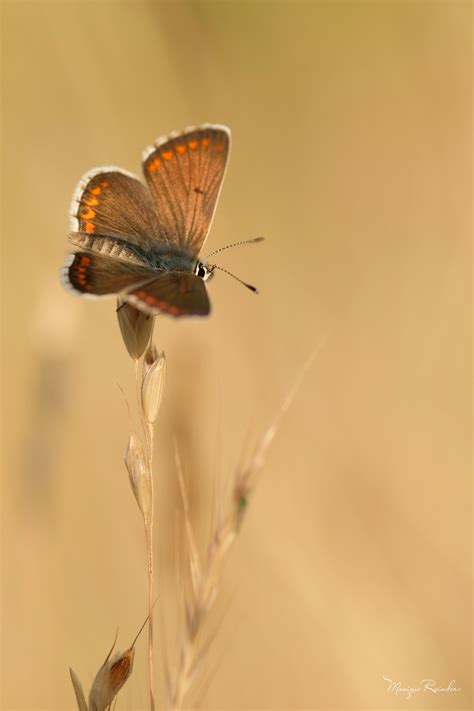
{"points": [[203, 271]]}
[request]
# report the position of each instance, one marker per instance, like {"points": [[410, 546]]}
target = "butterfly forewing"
{"points": [[185, 174], [110, 203]]}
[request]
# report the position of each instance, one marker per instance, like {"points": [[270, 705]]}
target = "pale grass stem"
{"points": [[137, 332]]}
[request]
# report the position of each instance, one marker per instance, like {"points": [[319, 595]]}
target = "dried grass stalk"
{"points": [[150, 380], [202, 580]]}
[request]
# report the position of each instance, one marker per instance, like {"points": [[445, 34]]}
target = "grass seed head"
{"points": [[138, 472], [154, 375], [109, 680], [136, 328]]}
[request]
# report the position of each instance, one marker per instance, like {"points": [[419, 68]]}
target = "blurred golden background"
{"points": [[351, 154]]}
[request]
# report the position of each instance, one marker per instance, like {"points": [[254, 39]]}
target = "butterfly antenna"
{"points": [[236, 244], [249, 286]]}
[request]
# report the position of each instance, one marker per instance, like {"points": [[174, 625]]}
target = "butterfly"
{"points": [[142, 241]]}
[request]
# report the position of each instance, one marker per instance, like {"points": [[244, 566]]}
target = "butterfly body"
{"points": [[176, 260], [141, 242]]}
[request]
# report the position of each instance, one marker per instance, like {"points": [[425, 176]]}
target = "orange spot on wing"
{"points": [[89, 226], [105, 183], [160, 304], [192, 144], [96, 191], [180, 148], [220, 147], [205, 142], [87, 213], [154, 165], [167, 154], [85, 260], [91, 201]]}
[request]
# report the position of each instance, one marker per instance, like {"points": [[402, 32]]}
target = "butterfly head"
{"points": [[203, 270]]}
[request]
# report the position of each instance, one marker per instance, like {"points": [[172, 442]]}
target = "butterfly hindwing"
{"points": [[184, 173], [102, 275], [175, 293]]}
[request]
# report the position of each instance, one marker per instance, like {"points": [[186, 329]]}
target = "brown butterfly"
{"points": [[142, 242]]}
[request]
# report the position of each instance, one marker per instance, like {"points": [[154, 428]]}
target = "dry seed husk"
{"points": [[136, 328]]}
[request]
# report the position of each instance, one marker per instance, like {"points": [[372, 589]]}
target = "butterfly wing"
{"points": [[184, 173], [175, 293], [111, 208], [102, 275]]}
